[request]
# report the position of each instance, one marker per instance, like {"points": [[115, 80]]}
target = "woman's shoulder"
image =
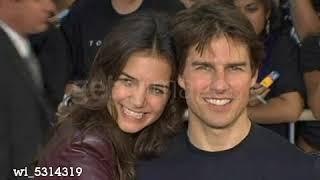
{"points": [[70, 147], [94, 139]]}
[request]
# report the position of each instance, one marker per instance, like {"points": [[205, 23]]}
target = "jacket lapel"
{"points": [[15, 60]]}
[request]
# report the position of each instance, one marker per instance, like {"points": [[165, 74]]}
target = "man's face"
{"points": [[217, 83], [32, 15]]}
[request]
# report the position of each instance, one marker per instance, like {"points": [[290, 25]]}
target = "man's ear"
{"points": [[181, 82], [254, 77]]}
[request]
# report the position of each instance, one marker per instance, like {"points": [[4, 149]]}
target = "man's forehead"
{"points": [[221, 46]]}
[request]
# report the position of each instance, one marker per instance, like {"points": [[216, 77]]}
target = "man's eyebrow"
{"points": [[237, 64], [201, 63], [207, 64]]}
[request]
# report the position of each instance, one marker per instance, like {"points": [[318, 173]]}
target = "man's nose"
{"points": [[219, 82]]}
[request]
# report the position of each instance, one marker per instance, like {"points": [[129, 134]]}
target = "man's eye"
{"points": [[236, 68], [205, 68]]}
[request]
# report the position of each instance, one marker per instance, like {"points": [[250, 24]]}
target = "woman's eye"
{"points": [[126, 82], [156, 91], [252, 8]]}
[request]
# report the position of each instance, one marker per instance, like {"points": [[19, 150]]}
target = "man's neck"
{"points": [[218, 139]]}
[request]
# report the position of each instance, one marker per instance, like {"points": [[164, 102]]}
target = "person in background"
{"points": [[50, 48], [88, 22], [25, 113], [307, 24], [38, 40], [305, 17], [71, 50], [219, 54], [126, 111], [63, 8], [283, 100]]}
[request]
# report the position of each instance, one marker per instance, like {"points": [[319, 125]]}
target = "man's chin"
{"points": [[40, 29]]}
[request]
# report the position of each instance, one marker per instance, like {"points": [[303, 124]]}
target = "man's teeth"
{"points": [[132, 113], [218, 102]]}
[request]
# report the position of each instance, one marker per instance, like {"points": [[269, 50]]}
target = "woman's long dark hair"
{"points": [[93, 108]]}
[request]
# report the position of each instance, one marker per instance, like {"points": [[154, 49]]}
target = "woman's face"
{"points": [[256, 12], [141, 92]]}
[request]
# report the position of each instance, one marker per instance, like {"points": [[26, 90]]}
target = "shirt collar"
{"points": [[20, 43]]}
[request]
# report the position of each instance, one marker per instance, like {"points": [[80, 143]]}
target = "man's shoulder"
{"points": [[266, 138], [275, 149], [274, 157]]}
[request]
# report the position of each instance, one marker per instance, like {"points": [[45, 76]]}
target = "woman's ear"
{"points": [[268, 14], [181, 82]]}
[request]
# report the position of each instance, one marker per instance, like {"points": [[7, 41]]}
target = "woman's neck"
{"points": [[124, 7]]}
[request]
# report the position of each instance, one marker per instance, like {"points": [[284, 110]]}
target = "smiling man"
{"points": [[220, 54]]}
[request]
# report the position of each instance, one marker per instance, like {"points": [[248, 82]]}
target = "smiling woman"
{"points": [[140, 96], [127, 109]]}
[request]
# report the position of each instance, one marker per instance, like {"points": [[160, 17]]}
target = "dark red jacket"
{"points": [[75, 151]]}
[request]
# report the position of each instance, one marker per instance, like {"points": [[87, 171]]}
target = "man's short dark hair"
{"points": [[198, 25]]}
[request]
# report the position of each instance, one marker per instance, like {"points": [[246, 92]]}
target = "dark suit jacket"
{"points": [[24, 113], [50, 47]]}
